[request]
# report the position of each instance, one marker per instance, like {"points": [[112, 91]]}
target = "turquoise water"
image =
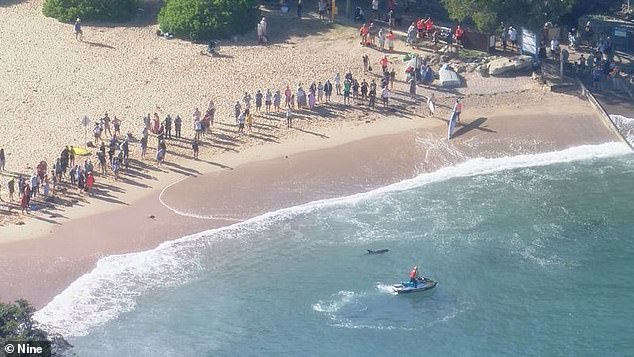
{"points": [[530, 259]]}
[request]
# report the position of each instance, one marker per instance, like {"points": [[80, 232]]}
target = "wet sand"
{"points": [[39, 269]]}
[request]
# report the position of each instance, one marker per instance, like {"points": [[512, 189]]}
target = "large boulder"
{"points": [[510, 65]]}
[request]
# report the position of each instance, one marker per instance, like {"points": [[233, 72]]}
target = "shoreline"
{"points": [[289, 174]]}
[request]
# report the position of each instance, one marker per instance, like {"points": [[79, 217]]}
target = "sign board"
{"points": [[85, 121], [528, 40], [620, 32]]}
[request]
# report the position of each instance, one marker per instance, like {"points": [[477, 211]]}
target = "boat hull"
{"points": [[423, 284]]}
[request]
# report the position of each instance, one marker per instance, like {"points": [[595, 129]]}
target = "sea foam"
{"points": [[117, 281], [625, 126]]}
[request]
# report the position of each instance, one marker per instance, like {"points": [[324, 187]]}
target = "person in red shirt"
{"points": [[420, 26], [90, 181], [457, 108], [459, 35], [363, 32], [429, 26], [384, 62], [413, 276]]}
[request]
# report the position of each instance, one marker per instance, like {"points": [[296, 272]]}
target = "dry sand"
{"points": [[51, 81]]}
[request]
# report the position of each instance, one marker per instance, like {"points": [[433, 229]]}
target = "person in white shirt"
{"points": [[513, 36], [375, 9]]}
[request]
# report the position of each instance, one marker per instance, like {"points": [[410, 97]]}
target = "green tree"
{"points": [[207, 19], [486, 14], [101, 10], [16, 324]]}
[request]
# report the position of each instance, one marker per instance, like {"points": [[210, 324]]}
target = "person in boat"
{"points": [[413, 276]]}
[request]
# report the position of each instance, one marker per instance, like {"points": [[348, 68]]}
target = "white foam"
{"points": [[625, 126], [113, 286], [332, 306], [385, 288]]}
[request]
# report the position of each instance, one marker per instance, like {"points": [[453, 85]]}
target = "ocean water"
{"points": [[533, 255]]}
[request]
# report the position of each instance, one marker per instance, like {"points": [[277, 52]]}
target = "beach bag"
{"points": [[370, 68]]}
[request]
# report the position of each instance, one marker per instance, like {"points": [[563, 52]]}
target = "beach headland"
{"points": [[336, 150]]}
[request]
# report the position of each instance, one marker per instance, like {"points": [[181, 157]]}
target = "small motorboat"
{"points": [[422, 284]]}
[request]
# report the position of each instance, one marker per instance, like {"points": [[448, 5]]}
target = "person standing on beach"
{"points": [[11, 187], [366, 63], [328, 90], [237, 109], [372, 33], [34, 185], [3, 159], [143, 145], [346, 91], [364, 90], [267, 100], [90, 182], [241, 119], [247, 101], [258, 100], [97, 132], [160, 153], [390, 40], [311, 100], [26, 198], [106, 124], [385, 95], [168, 126], [337, 81], [384, 62], [412, 88], [250, 122], [355, 90], [116, 123], [277, 100], [178, 122], [320, 92], [198, 128], [431, 104], [289, 117], [102, 161], [287, 96], [372, 96], [195, 148], [79, 35], [457, 108]]}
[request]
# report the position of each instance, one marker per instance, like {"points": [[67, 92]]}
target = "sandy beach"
{"points": [[128, 71]]}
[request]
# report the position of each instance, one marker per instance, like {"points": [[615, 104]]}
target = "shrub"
{"points": [[207, 19], [101, 10], [16, 323]]}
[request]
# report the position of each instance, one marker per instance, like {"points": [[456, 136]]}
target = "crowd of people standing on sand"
{"points": [[42, 183], [357, 91], [114, 148]]}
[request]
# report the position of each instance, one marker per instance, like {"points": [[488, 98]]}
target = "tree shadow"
{"points": [[9, 3]]}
